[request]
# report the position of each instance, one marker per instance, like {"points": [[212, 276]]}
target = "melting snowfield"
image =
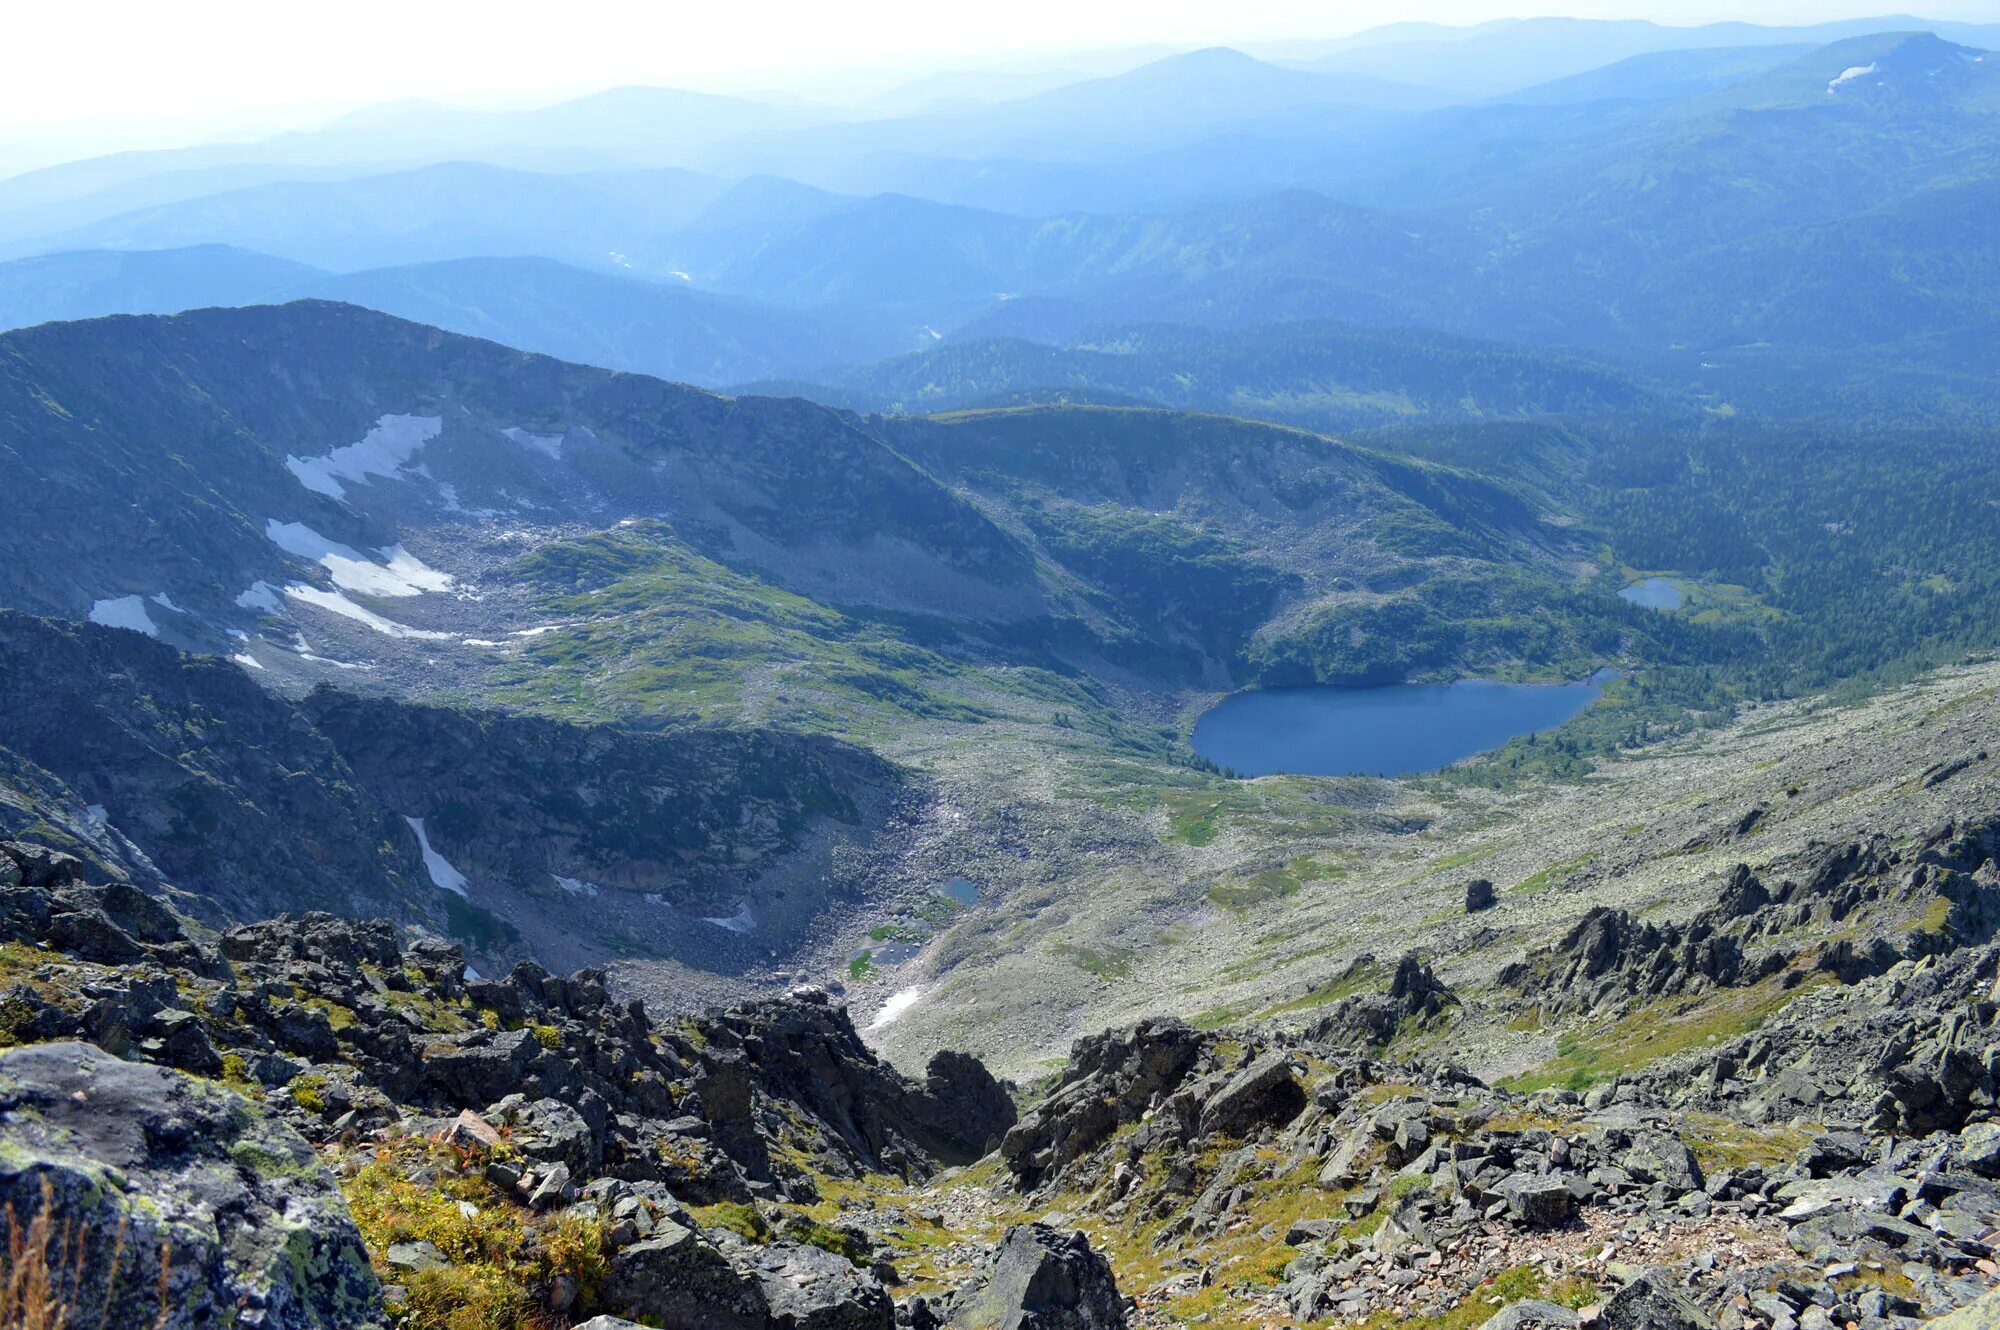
{"points": [[892, 1011], [1850, 74], [740, 922], [124, 612], [400, 574], [383, 452], [442, 873], [336, 602]]}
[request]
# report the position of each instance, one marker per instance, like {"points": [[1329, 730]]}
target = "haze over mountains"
{"points": [[1559, 183]]}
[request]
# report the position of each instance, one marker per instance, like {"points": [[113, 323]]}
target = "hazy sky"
{"points": [[83, 71]]}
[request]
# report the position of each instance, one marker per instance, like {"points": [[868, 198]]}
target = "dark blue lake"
{"points": [[1379, 731]]}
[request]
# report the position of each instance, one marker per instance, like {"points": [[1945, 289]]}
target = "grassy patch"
{"points": [[1104, 962], [1550, 876], [501, 1254], [1657, 1030], [1240, 893]]}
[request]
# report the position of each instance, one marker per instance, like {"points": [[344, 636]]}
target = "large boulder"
{"points": [[1651, 1302], [1042, 1279], [964, 1105], [681, 1280], [808, 1288], [1265, 1092], [159, 1200]]}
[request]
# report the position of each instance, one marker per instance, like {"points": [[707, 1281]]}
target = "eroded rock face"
{"points": [[152, 1176], [1112, 1079], [1042, 1279]]}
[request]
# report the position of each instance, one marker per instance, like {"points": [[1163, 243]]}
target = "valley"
{"points": [[1347, 681]]}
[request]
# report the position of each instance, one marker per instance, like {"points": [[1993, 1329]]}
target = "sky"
{"points": [[97, 74]]}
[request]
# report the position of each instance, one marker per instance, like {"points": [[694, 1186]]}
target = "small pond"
{"points": [[1324, 731], [1655, 593]]}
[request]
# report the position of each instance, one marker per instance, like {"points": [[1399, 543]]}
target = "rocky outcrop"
{"points": [[154, 1199], [1415, 994], [1885, 904], [1112, 1079], [1042, 1279], [383, 1026]]}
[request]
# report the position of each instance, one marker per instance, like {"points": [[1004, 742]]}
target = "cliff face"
{"points": [[223, 789], [518, 836], [694, 817]]}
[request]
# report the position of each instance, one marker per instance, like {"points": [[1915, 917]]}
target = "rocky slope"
{"points": [[532, 1150]]}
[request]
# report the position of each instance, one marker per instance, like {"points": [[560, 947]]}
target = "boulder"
{"points": [[1042, 1279], [1651, 1302], [1981, 1315], [139, 1176], [807, 1288], [1532, 1314], [680, 1280], [1538, 1202], [1266, 1091], [1979, 1148], [967, 1108]]}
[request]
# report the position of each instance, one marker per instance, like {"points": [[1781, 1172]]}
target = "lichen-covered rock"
{"points": [[172, 1202], [1651, 1302], [683, 1280], [807, 1288], [1042, 1279], [680, 1280]]}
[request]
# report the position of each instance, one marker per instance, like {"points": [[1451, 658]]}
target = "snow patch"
{"points": [[403, 574], [165, 602], [247, 661], [443, 875], [124, 612], [576, 886], [261, 596], [740, 922], [382, 452], [1851, 73], [335, 602], [537, 631], [892, 1011], [549, 444]]}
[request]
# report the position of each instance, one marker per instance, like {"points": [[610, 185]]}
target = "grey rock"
{"points": [[187, 1177], [1539, 1202], [1532, 1314], [1651, 1302], [1042, 1279], [1265, 1091], [684, 1282], [806, 1288], [1979, 1148]]}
